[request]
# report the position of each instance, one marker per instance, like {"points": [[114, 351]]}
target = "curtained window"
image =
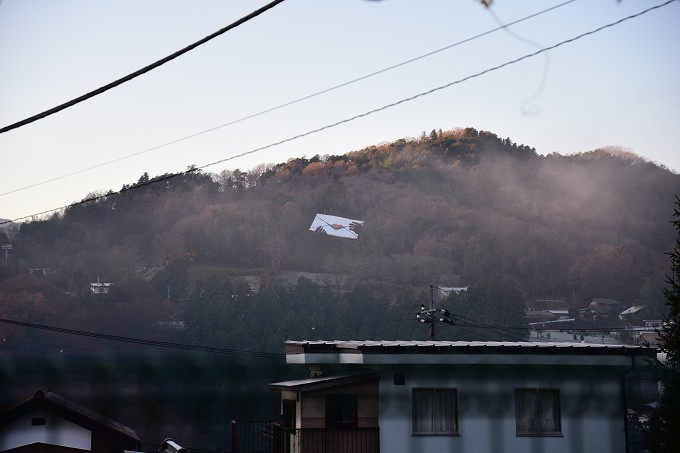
{"points": [[537, 412], [435, 411]]}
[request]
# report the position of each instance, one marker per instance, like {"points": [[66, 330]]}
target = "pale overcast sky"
{"points": [[617, 87]]}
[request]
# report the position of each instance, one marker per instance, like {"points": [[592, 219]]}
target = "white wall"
{"points": [[56, 431]]}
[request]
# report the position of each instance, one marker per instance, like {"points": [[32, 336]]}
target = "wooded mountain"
{"points": [[451, 208]]}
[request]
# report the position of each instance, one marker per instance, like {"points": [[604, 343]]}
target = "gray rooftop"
{"points": [[462, 352], [366, 344]]}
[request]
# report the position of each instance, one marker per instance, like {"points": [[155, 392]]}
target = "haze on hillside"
{"points": [[445, 208], [225, 265]]}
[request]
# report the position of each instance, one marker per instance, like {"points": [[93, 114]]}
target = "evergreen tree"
{"points": [[493, 309], [662, 433]]}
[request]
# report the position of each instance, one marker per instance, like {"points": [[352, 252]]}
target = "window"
{"points": [[435, 411], [537, 412], [341, 411], [38, 421]]}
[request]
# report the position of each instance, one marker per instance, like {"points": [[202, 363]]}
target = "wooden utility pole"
{"points": [[431, 312]]}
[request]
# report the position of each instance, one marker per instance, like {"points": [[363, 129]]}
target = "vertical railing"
{"points": [[270, 437], [313, 440], [252, 437]]}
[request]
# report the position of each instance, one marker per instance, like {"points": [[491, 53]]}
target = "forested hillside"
{"points": [[202, 257]]}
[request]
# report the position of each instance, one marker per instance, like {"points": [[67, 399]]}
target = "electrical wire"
{"points": [[512, 332], [365, 114], [442, 87], [141, 341], [525, 108], [223, 336], [508, 332], [141, 71], [295, 101]]}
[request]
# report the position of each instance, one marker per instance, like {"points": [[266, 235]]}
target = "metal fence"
{"points": [[270, 437], [252, 437]]}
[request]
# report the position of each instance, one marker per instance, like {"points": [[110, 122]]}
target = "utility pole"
{"points": [[431, 330], [432, 315]]}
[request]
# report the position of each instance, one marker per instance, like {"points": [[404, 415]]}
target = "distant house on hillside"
{"points": [[633, 315], [445, 291], [538, 315], [544, 310], [100, 288], [47, 422], [604, 309]]}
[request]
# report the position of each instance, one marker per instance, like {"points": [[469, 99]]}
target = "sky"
{"points": [[617, 87]]}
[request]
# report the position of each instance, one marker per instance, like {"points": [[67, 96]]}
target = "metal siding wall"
{"points": [[590, 398]]}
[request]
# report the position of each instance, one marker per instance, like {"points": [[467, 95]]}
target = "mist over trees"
{"points": [[208, 258]]}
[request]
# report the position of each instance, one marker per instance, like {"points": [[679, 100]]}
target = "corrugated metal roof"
{"points": [[403, 352], [380, 344]]}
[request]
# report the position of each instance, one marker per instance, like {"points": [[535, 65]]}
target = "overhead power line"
{"points": [[141, 71], [370, 112], [289, 103], [224, 336], [144, 342], [442, 87]]}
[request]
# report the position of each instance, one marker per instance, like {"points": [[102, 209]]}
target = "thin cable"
{"points": [[289, 103], [99, 324], [525, 108], [508, 332], [141, 341], [439, 88], [139, 72], [365, 114]]}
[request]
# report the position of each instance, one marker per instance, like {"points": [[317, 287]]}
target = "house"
{"points": [[604, 309], [633, 315], [47, 422], [466, 397], [445, 291], [539, 315], [331, 414], [100, 288], [648, 334], [562, 315]]}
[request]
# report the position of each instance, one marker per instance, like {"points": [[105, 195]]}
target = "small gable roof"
{"points": [[70, 411], [632, 310], [606, 301]]}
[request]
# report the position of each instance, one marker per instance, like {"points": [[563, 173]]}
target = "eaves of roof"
{"points": [[71, 411], [323, 382], [461, 352]]}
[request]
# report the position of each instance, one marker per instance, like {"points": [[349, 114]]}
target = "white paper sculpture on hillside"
{"points": [[336, 226]]}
